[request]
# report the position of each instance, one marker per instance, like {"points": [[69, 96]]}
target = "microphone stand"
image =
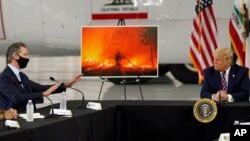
{"points": [[80, 106], [52, 115]]}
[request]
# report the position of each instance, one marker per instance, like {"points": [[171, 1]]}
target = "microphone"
{"points": [[52, 115], [83, 98], [53, 79]]}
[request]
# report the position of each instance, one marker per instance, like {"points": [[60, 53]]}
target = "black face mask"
{"points": [[22, 62]]}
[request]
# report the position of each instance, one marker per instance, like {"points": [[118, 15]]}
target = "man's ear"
{"points": [[15, 56]]}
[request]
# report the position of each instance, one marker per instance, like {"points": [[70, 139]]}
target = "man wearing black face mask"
{"points": [[16, 85], [22, 62]]}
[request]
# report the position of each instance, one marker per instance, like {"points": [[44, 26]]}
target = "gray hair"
{"points": [[14, 48]]}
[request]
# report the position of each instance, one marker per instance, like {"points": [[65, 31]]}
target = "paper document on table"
{"points": [[35, 115], [61, 112], [12, 124]]}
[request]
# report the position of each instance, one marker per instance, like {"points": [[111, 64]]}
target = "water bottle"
{"points": [[30, 111], [63, 101]]}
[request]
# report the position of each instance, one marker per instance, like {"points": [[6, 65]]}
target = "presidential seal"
{"points": [[205, 110]]}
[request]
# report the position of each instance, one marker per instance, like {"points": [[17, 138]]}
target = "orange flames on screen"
{"points": [[119, 51]]}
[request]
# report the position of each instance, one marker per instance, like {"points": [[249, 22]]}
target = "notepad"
{"points": [[35, 115]]}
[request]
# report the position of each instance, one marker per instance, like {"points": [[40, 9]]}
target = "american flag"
{"points": [[203, 37]]}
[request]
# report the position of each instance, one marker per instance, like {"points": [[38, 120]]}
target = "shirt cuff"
{"points": [[213, 97], [230, 98]]}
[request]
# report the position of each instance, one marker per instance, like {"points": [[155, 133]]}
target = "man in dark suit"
{"points": [[225, 81], [17, 88]]}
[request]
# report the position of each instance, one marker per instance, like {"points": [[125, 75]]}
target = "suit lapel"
{"points": [[11, 75], [217, 79]]}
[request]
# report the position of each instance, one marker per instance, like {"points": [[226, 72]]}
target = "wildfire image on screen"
{"points": [[119, 51]]}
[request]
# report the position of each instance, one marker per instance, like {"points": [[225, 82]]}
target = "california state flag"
{"points": [[238, 29]]}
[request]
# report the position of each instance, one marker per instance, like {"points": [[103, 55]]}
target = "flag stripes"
{"points": [[203, 37]]}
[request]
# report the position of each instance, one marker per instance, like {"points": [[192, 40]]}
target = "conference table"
{"points": [[128, 121]]}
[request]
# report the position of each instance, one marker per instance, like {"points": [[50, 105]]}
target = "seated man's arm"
{"points": [[205, 89], [36, 87], [241, 87], [11, 92]]}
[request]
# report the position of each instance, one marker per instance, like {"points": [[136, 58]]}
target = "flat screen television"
{"points": [[119, 51]]}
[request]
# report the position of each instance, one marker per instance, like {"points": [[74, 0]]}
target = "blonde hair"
{"points": [[226, 53]]}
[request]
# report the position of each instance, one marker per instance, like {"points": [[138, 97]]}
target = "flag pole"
{"points": [[199, 38], [199, 26], [247, 53], [244, 23]]}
